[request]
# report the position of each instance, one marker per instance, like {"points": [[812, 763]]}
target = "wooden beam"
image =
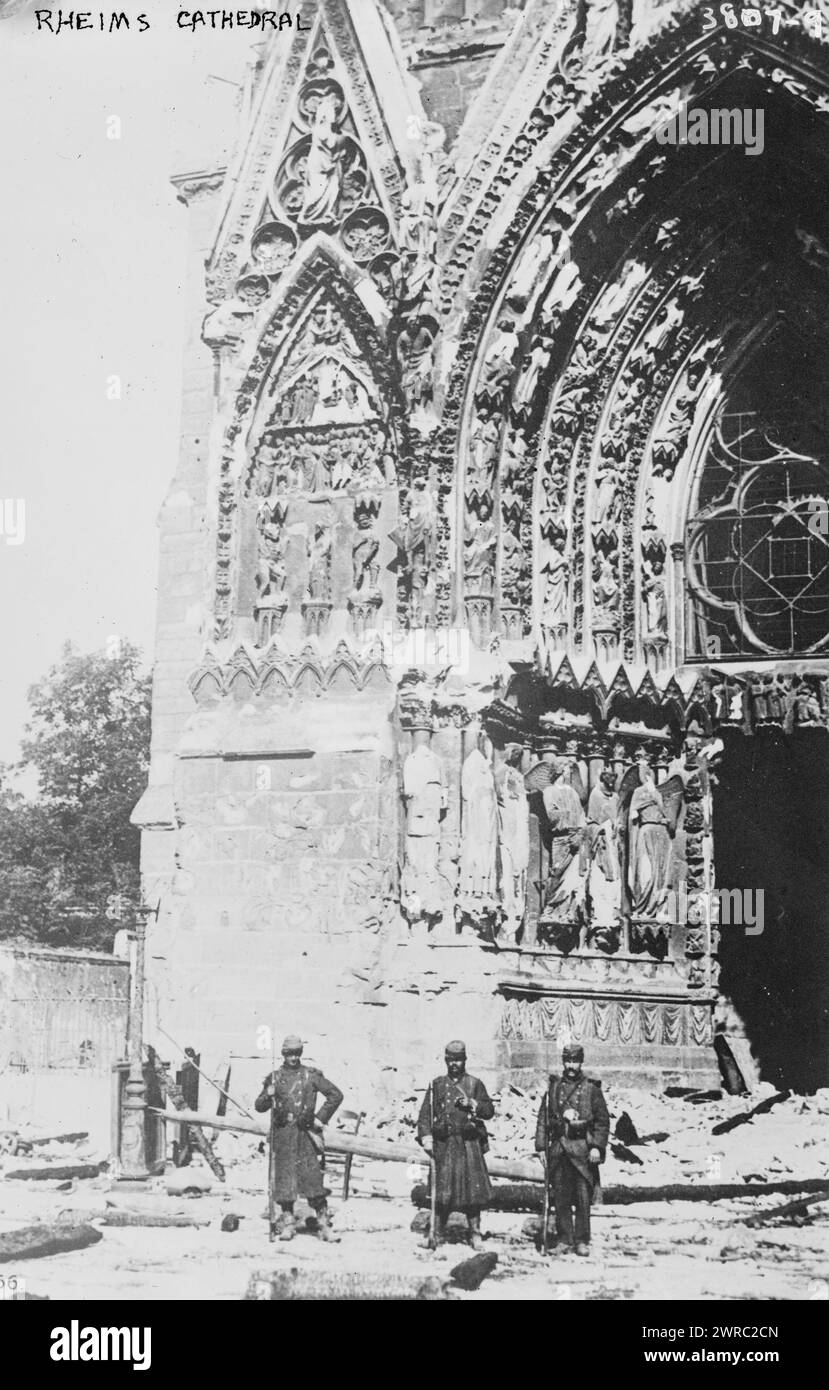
{"points": [[527, 1197], [799, 1208], [389, 1150]]}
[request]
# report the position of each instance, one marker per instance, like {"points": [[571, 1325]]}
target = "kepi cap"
{"points": [[292, 1043], [456, 1048], [573, 1052]]}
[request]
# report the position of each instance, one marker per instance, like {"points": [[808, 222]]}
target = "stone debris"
{"points": [[471, 1273], [624, 1154], [190, 1180], [344, 1287], [625, 1130], [785, 1138], [58, 1172], [35, 1242]]}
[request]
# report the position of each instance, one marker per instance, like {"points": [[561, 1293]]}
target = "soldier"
{"points": [[450, 1127], [296, 1146], [571, 1134]]}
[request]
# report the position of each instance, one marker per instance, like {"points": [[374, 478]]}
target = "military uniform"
{"points": [[452, 1116], [296, 1170], [567, 1145]]}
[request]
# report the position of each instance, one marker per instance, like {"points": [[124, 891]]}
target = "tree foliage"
{"points": [[63, 855]]}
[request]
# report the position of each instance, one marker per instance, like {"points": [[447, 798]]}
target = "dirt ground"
{"points": [[654, 1250]]}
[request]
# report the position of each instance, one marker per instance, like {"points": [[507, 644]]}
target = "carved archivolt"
{"points": [[597, 367]]}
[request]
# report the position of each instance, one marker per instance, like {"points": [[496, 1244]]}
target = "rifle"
{"points": [[433, 1184], [545, 1214], [271, 1201]]}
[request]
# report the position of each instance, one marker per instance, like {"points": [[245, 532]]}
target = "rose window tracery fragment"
{"points": [[758, 553]]}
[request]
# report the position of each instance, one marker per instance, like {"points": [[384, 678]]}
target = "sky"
{"points": [[92, 256]]}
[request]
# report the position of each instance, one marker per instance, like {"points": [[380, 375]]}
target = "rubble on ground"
{"points": [[788, 1141], [176, 1244]]}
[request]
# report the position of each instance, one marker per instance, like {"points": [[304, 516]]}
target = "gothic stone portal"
{"points": [[498, 519]]}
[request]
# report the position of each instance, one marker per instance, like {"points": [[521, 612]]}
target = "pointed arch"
{"points": [[602, 291], [319, 324]]}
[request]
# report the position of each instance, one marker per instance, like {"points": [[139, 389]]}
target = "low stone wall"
{"points": [[61, 1010]]}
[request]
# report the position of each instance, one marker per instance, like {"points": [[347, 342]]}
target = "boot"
{"points": [[439, 1233], [475, 1239], [582, 1248], [287, 1226], [324, 1231]]}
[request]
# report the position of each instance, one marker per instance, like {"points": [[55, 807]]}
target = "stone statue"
{"points": [[605, 594], [604, 872], [533, 262], [425, 796], [416, 543], [513, 840], [607, 501], [415, 350], [323, 169], [484, 441], [652, 820], [319, 562], [654, 603], [554, 602], [479, 547], [542, 347], [479, 837], [564, 898], [498, 361], [418, 241], [271, 575], [364, 554]]}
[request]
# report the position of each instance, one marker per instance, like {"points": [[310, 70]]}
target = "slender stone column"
{"points": [[132, 1156]]}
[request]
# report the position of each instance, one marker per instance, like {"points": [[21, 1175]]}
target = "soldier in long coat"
{"points": [[296, 1145], [572, 1133], [451, 1129]]}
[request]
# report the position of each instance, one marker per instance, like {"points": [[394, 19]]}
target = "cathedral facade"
{"points": [[497, 553]]}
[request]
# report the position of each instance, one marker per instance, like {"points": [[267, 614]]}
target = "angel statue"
{"points": [[650, 815]]}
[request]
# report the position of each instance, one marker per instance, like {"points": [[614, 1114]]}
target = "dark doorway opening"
{"points": [[771, 833]]}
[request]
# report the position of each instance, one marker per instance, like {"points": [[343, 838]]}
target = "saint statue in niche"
{"points": [[513, 840], [604, 870], [565, 818], [479, 837], [425, 796]]}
